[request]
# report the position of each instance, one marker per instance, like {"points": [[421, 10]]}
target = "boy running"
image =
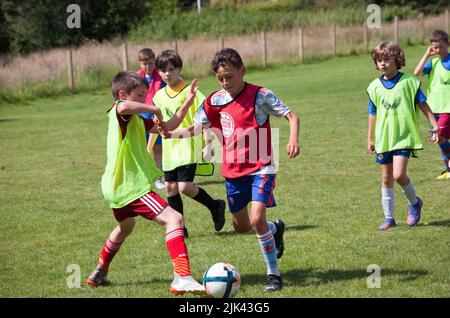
{"points": [[238, 113]]}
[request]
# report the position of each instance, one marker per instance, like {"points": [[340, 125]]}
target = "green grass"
{"points": [[53, 213]]}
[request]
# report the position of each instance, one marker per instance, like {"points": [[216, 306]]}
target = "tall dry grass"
{"points": [[51, 65]]}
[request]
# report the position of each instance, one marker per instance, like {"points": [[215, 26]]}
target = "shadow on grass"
{"points": [[140, 283], [313, 277], [202, 183], [288, 228], [440, 223], [2, 120]]}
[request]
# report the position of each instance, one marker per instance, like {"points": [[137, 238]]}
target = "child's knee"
{"points": [[183, 187], [387, 180], [241, 228], [126, 226], [258, 221], [188, 188], [171, 189], [400, 176], [175, 219]]}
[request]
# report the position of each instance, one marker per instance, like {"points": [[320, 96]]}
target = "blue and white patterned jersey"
{"points": [[266, 104]]}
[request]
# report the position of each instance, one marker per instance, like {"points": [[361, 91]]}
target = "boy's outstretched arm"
{"points": [[132, 108], [430, 52], [370, 130], [293, 148], [191, 131], [176, 120], [434, 131]]}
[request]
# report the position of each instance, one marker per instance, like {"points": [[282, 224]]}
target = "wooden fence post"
{"points": [[301, 51], [70, 70], [264, 48], [446, 20], [365, 37], [396, 30], [222, 43], [124, 57], [175, 45], [422, 28], [333, 35]]}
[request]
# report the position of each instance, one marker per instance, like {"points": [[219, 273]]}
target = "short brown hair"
{"points": [[127, 81], [387, 50], [166, 57], [439, 36], [146, 54], [226, 56]]}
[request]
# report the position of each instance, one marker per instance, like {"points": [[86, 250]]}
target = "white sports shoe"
{"points": [[186, 284], [159, 184]]}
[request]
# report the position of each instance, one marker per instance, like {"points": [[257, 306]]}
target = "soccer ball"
{"points": [[222, 280]]}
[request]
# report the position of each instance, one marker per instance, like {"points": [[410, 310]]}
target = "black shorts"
{"points": [[181, 174]]}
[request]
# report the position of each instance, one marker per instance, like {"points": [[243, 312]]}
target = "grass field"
{"points": [[53, 213]]}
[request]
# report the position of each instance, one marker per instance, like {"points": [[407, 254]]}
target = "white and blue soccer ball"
{"points": [[221, 280]]}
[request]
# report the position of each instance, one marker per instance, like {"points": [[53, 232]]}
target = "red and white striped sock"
{"points": [[178, 252], [108, 252]]}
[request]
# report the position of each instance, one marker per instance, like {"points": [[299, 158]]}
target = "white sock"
{"points": [[272, 227], [387, 201], [267, 245], [410, 193]]}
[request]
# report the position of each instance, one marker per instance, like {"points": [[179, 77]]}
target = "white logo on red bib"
{"points": [[227, 123]]}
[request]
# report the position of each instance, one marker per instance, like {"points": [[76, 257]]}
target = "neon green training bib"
{"points": [[439, 87], [130, 171], [180, 152], [397, 124]]}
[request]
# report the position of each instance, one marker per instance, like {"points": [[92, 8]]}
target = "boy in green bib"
{"points": [[129, 177], [438, 71], [182, 158], [393, 128]]}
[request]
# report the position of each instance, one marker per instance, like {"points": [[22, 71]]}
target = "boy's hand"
{"points": [[192, 93], [158, 115], [430, 51], [293, 149], [162, 128], [434, 135], [208, 152], [370, 146]]}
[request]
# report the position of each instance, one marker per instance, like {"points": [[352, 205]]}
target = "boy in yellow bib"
{"points": [[438, 71], [129, 177], [182, 158], [393, 117]]}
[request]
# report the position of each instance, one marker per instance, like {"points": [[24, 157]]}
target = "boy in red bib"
{"points": [[148, 70], [239, 115]]}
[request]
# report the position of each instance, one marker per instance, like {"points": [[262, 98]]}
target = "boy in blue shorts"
{"points": [[393, 115], [438, 71], [239, 116]]}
